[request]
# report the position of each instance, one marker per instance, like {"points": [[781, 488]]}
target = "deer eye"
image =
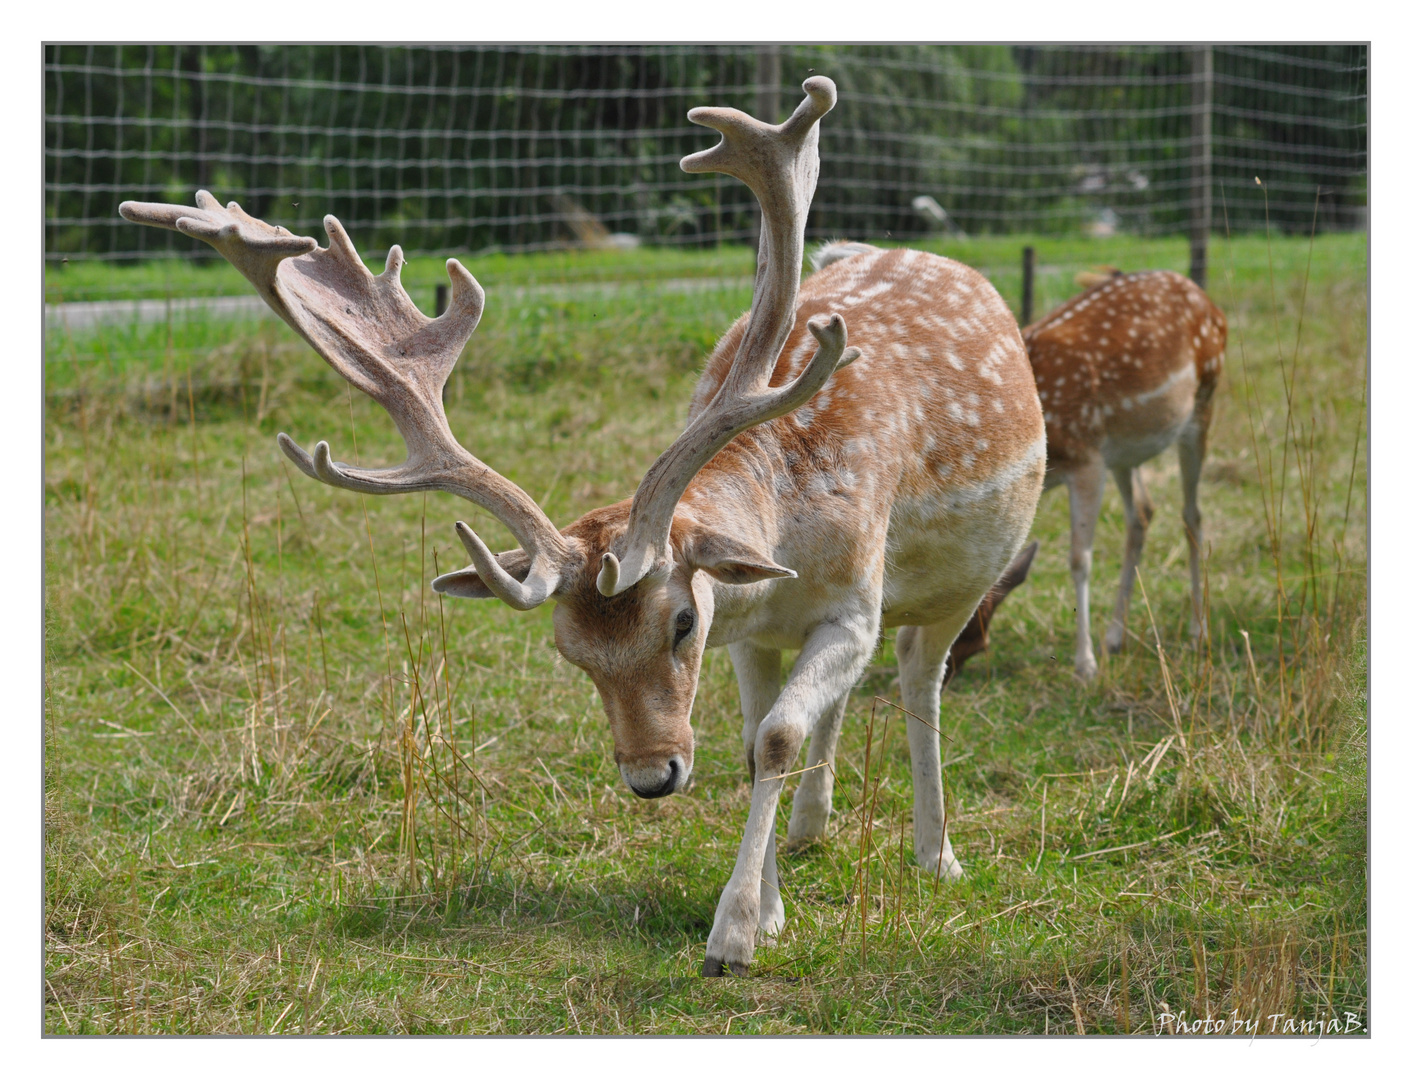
{"points": [[686, 619]]}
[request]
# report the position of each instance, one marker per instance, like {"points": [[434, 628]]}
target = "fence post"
{"points": [[1027, 289], [1201, 84], [440, 300]]}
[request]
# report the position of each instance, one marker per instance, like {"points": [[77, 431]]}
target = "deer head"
{"points": [[633, 582]]}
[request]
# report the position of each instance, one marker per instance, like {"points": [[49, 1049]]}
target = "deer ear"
{"points": [[730, 560], [467, 583]]}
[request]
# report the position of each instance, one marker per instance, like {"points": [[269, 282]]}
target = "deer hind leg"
{"points": [[758, 673], [813, 800], [1085, 484], [1137, 512], [921, 655], [1191, 453]]}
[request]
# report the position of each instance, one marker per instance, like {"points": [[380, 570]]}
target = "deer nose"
{"points": [[655, 781]]}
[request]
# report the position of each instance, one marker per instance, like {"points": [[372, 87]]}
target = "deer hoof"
{"points": [[771, 922], [950, 868], [1086, 668], [809, 821], [1113, 641], [716, 968], [806, 830]]}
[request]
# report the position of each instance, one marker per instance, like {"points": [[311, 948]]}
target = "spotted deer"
{"points": [[975, 635], [1124, 370], [819, 492]]}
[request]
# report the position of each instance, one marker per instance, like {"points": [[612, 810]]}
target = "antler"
{"points": [[371, 333], [780, 164]]}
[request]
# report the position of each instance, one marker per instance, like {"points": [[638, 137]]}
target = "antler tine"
{"points": [[371, 333], [780, 164], [252, 246]]}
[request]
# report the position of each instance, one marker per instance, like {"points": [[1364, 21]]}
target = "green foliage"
{"points": [[474, 149]]}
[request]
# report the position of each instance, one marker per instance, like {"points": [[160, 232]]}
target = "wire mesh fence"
{"points": [[464, 149]]}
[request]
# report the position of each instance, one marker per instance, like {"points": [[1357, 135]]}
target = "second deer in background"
{"points": [[1123, 371]]}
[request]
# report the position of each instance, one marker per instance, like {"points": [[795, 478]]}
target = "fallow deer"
{"points": [[1124, 370], [807, 505]]}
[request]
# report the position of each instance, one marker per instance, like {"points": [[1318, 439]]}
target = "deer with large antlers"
{"points": [[819, 492]]}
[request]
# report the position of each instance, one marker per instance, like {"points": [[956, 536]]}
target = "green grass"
{"points": [[256, 823], [159, 279]]}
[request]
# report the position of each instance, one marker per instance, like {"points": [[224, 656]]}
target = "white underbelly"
{"points": [[945, 551], [1131, 451], [1144, 425]]}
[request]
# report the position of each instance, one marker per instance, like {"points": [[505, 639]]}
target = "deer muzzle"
{"points": [[655, 779]]}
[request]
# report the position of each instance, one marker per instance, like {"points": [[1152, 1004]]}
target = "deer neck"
{"points": [[745, 492]]}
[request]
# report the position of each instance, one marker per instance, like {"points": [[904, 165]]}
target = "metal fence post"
{"points": [[1200, 161]]}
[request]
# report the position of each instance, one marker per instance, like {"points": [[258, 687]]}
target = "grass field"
{"points": [[290, 790]]}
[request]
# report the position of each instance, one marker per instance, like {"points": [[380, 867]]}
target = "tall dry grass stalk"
{"points": [[1313, 634]]}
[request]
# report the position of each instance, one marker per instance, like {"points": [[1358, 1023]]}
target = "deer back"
{"points": [[1121, 363], [940, 400]]}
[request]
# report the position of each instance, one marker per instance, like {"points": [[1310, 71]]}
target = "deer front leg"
{"points": [[757, 671], [832, 660], [813, 801], [1137, 513], [1085, 484]]}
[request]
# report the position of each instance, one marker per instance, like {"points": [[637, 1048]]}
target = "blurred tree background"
{"points": [[468, 149]]}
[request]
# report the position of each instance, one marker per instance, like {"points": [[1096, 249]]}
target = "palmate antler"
{"points": [[371, 333], [780, 164]]}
